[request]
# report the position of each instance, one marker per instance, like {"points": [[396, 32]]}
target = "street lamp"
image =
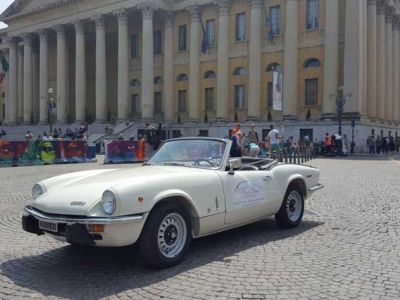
{"points": [[50, 106], [340, 100]]}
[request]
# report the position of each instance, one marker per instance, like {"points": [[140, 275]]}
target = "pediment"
{"points": [[24, 7]]}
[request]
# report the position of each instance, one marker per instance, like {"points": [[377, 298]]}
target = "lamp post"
{"points": [[50, 106], [340, 100]]}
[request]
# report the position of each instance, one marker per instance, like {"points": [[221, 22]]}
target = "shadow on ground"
{"points": [[91, 273]]}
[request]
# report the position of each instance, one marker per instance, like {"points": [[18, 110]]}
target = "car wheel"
{"points": [[166, 236], [291, 212]]}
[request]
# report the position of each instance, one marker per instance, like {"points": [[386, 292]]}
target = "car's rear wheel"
{"points": [[291, 212], [166, 236]]}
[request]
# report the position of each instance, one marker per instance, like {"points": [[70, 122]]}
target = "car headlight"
{"points": [[37, 191], [109, 202]]}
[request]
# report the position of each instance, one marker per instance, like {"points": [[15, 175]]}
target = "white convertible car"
{"points": [[190, 188]]}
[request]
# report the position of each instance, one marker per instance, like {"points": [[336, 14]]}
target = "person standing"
{"points": [[371, 145], [252, 136], [397, 141], [378, 144], [273, 139]]}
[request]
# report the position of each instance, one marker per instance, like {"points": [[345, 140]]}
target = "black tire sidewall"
{"points": [[148, 243], [282, 217]]}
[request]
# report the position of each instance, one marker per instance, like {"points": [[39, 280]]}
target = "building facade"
{"points": [[205, 63]]}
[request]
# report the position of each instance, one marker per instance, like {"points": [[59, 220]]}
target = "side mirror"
{"points": [[231, 171]]}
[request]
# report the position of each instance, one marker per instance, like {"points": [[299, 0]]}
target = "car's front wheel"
{"points": [[166, 236], [291, 212]]}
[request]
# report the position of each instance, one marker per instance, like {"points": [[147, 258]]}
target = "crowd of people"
{"points": [[384, 144], [78, 134], [272, 145]]}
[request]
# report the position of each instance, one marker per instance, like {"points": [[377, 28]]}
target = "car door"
{"points": [[249, 195]]}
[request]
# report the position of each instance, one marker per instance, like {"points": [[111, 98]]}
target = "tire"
{"points": [[292, 209], [166, 236]]}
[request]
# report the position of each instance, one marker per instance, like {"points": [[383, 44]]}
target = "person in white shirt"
{"points": [[273, 139]]}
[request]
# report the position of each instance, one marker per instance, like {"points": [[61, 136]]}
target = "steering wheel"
{"points": [[197, 162]]}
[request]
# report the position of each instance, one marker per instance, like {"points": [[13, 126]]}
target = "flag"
{"points": [[4, 63], [204, 43]]}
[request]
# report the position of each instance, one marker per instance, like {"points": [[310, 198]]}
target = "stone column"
{"points": [[43, 76], [80, 72], [20, 84], [395, 71], [331, 64], [381, 67], [254, 101], [372, 58], [147, 62], [11, 104], [168, 86], [389, 63], [28, 91], [123, 63], [194, 63], [223, 59], [7, 90], [61, 103], [101, 82], [290, 65]]}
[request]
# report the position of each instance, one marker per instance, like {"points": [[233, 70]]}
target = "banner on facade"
{"points": [[277, 91], [26, 153], [124, 151]]}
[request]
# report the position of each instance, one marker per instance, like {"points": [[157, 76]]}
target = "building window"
{"points": [[311, 91], [182, 77], [203, 132], [274, 67], [275, 20], [312, 14], [182, 101], [157, 42], [209, 99], [312, 63], [240, 71], [210, 33], [158, 80], [157, 102], [209, 75], [134, 46], [135, 104], [182, 37], [240, 27], [135, 83], [270, 91], [240, 96]]}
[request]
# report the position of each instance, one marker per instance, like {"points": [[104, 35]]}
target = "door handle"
{"points": [[267, 178]]}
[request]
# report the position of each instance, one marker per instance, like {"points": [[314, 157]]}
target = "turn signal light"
{"points": [[96, 228]]}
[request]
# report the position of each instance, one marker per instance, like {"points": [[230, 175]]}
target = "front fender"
{"points": [[171, 193], [294, 177]]}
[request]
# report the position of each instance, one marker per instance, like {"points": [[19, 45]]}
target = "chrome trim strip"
{"points": [[317, 187], [89, 220]]}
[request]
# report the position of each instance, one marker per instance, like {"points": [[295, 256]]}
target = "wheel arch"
{"points": [[298, 182], [185, 201]]}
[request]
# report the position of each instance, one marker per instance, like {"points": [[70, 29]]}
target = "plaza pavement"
{"points": [[348, 246]]}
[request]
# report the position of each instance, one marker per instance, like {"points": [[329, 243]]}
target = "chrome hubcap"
{"points": [[294, 206], [171, 235]]}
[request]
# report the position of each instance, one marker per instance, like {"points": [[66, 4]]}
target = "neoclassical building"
{"points": [[204, 62]]}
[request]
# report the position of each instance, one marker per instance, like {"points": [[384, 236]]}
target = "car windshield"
{"points": [[207, 154]]}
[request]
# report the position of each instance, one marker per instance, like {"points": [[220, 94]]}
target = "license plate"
{"points": [[48, 226]]}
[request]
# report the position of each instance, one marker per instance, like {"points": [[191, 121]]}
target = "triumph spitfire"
{"points": [[190, 188]]}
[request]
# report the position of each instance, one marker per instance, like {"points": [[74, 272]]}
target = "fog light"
{"points": [[96, 228]]}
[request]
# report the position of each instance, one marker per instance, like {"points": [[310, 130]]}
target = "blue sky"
{"points": [[3, 5]]}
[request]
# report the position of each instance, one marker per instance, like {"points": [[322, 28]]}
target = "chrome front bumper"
{"points": [[28, 210], [316, 187]]}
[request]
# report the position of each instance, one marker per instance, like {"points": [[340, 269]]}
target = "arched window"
{"points": [[209, 74], [240, 71], [158, 80], [312, 63], [274, 67], [135, 83], [182, 77]]}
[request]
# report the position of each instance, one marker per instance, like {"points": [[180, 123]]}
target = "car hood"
{"points": [[77, 193]]}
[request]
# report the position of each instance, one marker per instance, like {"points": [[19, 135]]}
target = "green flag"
{"points": [[4, 62]]}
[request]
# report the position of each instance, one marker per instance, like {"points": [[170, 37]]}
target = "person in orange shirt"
{"points": [[328, 143]]}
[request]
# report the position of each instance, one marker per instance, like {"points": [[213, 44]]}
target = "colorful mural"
{"points": [[18, 153], [124, 151]]}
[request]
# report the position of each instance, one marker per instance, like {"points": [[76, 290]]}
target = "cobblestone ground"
{"points": [[348, 246]]}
